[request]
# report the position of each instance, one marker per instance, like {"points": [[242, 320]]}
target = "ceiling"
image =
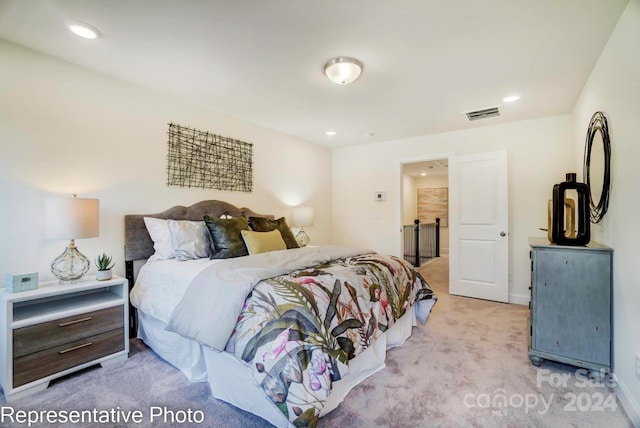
{"points": [[428, 168], [426, 62]]}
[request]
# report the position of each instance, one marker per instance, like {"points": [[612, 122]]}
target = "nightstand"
{"points": [[58, 329]]}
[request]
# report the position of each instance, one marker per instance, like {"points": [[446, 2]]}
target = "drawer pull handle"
{"points": [[84, 345], [64, 324]]}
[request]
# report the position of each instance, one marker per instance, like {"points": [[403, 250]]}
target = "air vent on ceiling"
{"points": [[483, 114]]}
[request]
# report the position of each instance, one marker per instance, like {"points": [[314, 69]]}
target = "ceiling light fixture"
{"points": [[343, 70], [330, 133], [511, 98], [84, 30]]}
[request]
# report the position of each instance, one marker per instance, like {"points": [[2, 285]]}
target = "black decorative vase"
{"points": [[559, 233]]}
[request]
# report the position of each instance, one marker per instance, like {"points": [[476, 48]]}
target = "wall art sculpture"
{"points": [[208, 161]]}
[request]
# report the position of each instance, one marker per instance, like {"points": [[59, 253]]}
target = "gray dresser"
{"points": [[571, 305]]}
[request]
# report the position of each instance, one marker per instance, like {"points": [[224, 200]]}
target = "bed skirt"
{"points": [[184, 354]]}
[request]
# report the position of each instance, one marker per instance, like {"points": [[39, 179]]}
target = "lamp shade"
{"points": [[302, 217], [72, 218], [343, 70]]}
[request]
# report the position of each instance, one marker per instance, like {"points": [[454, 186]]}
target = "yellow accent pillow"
{"points": [[261, 242]]}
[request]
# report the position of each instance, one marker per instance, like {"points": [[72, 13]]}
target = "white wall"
{"points": [[614, 88], [435, 181], [64, 129], [539, 152], [409, 200]]}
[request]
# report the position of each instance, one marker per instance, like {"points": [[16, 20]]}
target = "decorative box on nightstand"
{"points": [[57, 329]]}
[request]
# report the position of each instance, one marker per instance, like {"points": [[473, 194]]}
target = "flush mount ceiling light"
{"points": [[84, 30], [511, 98], [343, 70], [330, 133]]}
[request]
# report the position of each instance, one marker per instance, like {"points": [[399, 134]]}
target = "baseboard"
{"points": [[630, 405], [519, 299]]}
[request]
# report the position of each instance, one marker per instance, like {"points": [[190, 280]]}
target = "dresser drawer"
{"points": [[39, 337], [50, 361]]}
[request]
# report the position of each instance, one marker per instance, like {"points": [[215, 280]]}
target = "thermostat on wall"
{"points": [[380, 196]]}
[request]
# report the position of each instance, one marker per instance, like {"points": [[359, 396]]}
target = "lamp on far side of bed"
{"points": [[71, 218], [302, 217]]}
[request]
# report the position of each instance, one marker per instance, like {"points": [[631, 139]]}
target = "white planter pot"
{"points": [[103, 275]]}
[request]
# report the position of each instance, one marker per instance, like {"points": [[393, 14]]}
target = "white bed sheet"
{"points": [[159, 288], [161, 284]]}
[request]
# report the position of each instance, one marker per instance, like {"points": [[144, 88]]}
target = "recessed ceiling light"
{"points": [[423, 174], [330, 133], [84, 30], [511, 98]]}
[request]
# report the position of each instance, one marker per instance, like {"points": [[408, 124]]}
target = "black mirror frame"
{"points": [[598, 123]]}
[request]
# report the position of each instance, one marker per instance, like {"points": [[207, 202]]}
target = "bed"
{"points": [[282, 334]]}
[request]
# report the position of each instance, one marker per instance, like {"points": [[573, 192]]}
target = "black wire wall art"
{"points": [[208, 161], [598, 124]]}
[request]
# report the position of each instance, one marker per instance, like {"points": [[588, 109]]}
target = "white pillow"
{"points": [[161, 236], [190, 239]]}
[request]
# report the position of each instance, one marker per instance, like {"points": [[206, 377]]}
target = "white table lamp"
{"points": [[302, 217], [71, 218]]}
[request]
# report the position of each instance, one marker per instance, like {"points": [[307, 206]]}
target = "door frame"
{"points": [[400, 208]]}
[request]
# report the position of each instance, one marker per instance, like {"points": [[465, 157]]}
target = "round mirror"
{"points": [[597, 159], [596, 168]]}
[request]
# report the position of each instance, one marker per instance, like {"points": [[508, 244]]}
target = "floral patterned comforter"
{"points": [[298, 331]]}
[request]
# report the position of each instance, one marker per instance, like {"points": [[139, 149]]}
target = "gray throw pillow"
{"points": [[190, 239]]}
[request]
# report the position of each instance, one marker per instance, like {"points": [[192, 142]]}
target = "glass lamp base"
{"points": [[302, 238], [71, 265]]}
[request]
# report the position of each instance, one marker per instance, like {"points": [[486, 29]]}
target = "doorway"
{"points": [[425, 187], [477, 223]]}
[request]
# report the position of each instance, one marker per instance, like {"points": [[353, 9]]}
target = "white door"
{"points": [[479, 226]]}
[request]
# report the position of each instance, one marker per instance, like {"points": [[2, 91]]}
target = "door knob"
{"points": [[503, 234]]}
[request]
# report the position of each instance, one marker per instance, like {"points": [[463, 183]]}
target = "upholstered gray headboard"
{"points": [[137, 242], [139, 246]]}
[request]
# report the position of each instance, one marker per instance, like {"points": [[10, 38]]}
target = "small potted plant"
{"points": [[104, 265]]}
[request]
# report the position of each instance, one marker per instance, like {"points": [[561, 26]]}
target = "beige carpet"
{"points": [[468, 367]]}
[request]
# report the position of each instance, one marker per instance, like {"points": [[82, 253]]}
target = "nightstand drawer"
{"points": [[50, 361], [39, 337]]}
